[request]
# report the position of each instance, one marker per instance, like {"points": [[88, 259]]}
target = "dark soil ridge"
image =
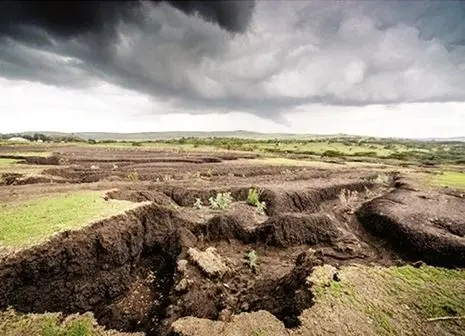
{"points": [[84, 270], [94, 268], [89, 269], [421, 227], [277, 200]]}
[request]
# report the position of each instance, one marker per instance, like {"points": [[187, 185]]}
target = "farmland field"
{"points": [[232, 237]]}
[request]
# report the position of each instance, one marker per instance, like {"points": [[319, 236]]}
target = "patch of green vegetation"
{"points": [[27, 223], [19, 153], [449, 179], [221, 201], [50, 324], [393, 301], [5, 162], [253, 199], [434, 292], [259, 332]]}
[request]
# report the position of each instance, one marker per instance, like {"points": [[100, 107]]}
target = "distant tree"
{"points": [[91, 141]]}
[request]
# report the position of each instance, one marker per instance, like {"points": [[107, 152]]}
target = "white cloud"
{"points": [[316, 67]]}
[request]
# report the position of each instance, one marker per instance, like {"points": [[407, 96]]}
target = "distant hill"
{"points": [[144, 136], [176, 135]]}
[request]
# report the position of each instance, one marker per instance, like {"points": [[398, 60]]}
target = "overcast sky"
{"points": [[382, 68]]}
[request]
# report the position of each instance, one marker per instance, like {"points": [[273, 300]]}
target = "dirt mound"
{"points": [[306, 200], [81, 270], [40, 160], [140, 196], [292, 229], [428, 227]]}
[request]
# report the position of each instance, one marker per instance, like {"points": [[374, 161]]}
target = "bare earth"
{"points": [[168, 268]]}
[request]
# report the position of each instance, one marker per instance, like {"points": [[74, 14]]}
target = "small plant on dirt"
{"points": [[252, 260], [134, 176], [167, 178], [210, 172], [348, 199], [196, 175], [382, 179], [198, 203], [253, 199], [221, 201], [259, 332]]}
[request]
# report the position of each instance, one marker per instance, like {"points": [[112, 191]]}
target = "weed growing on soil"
{"points": [[259, 332], [382, 179], [348, 199], [222, 201], [134, 176], [198, 203], [252, 260], [253, 199]]}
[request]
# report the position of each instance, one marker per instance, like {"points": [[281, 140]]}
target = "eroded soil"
{"points": [[146, 269]]}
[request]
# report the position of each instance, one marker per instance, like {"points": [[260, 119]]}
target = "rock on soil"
{"points": [[210, 262], [257, 323]]}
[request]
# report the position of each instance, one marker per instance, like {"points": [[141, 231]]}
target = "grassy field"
{"points": [[449, 179], [389, 301], [7, 162], [19, 153], [27, 223], [51, 324]]}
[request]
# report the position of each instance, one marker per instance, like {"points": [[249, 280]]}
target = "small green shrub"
{"points": [[136, 144], [222, 201], [252, 260], [253, 199]]}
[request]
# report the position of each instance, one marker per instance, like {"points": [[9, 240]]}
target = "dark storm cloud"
{"points": [[71, 18], [264, 57]]}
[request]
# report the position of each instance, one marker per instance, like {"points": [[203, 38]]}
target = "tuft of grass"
{"points": [[449, 179], [253, 199], [348, 199], [27, 223], [133, 176]]}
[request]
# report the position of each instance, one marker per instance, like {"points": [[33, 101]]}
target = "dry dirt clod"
{"points": [[210, 262], [182, 265], [183, 285]]}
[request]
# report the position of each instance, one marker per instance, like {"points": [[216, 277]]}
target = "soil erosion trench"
{"points": [[132, 271]]}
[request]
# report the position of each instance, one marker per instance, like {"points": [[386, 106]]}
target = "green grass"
{"points": [[7, 162], [50, 324], [19, 153], [390, 301], [449, 179], [31, 222]]}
